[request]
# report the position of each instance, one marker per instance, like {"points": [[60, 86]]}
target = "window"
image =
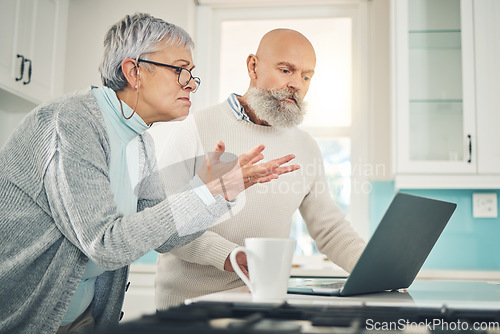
{"points": [[333, 31]]}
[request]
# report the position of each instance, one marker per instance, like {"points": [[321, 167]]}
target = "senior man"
{"points": [[269, 112]]}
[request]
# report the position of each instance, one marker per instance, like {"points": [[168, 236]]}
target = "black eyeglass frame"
{"points": [[178, 68]]}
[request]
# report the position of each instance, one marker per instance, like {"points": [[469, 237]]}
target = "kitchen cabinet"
{"points": [[32, 47], [487, 53], [436, 98]]}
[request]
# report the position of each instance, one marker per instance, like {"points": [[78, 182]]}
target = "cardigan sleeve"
{"points": [[81, 202], [149, 189]]}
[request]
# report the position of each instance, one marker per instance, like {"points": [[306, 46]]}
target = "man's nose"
{"points": [[295, 82]]}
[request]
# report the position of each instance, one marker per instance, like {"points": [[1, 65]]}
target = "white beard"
{"points": [[272, 107]]}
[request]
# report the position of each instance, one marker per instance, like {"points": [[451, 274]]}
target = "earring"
{"points": [[137, 77]]}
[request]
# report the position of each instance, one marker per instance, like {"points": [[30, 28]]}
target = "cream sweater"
{"points": [[264, 210]]}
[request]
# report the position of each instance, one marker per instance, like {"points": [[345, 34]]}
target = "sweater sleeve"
{"points": [[78, 190], [326, 223], [210, 249]]}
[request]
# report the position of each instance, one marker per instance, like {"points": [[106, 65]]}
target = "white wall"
{"points": [[88, 21], [380, 98], [12, 111]]}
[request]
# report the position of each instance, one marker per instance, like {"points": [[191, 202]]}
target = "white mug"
{"points": [[269, 264]]}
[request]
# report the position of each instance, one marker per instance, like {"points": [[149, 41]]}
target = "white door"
{"points": [[39, 49], [10, 65], [32, 47]]}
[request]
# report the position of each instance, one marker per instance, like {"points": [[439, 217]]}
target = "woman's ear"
{"points": [[131, 71], [252, 61]]}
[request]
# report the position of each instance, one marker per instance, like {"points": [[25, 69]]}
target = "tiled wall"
{"points": [[466, 243]]}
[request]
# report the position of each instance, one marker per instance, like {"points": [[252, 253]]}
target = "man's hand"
{"points": [[241, 259]]}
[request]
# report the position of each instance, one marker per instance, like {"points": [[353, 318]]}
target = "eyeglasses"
{"points": [[184, 75]]}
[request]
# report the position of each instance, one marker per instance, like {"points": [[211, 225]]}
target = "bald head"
{"points": [[287, 40]]}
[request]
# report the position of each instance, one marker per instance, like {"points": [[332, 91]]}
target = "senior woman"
{"points": [[74, 211]]}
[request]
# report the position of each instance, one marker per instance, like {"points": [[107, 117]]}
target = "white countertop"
{"points": [[474, 295]]}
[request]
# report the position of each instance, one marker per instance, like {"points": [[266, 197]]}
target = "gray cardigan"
{"points": [[57, 211]]}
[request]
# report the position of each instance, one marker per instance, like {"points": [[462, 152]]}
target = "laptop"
{"points": [[396, 251]]}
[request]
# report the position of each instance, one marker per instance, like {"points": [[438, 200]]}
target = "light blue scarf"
{"points": [[123, 174], [123, 136]]}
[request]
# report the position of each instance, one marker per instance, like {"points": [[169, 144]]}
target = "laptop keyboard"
{"points": [[335, 285]]}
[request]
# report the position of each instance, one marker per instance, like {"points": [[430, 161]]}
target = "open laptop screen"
{"points": [[398, 248]]}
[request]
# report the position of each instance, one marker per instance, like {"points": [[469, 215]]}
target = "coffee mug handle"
{"points": [[236, 267]]}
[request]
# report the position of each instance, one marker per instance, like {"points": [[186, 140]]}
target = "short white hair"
{"points": [[133, 37]]}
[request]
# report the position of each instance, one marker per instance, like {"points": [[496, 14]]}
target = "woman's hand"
{"points": [[229, 178]]}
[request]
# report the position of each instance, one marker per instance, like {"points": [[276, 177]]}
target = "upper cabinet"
{"points": [[438, 56], [32, 48], [487, 53]]}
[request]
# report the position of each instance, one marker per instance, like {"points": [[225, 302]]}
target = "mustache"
{"points": [[285, 93]]}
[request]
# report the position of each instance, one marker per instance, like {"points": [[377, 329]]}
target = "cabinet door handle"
{"points": [[470, 148], [21, 72], [29, 72]]}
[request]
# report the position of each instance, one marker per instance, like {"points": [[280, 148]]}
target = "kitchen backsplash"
{"points": [[466, 243]]}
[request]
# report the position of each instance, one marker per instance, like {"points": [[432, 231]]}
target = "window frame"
{"points": [[211, 14]]}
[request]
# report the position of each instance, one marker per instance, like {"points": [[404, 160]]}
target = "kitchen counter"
{"points": [[426, 307]]}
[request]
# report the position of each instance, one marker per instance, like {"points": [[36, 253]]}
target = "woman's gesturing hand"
{"points": [[226, 175]]}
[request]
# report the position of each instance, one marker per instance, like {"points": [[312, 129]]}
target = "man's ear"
{"points": [[131, 71], [252, 61]]}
